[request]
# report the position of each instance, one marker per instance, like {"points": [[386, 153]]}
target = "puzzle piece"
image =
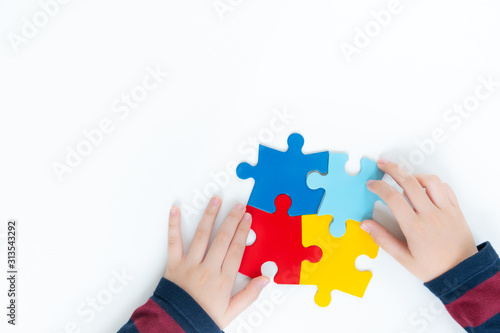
{"points": [[346, 196], [279, 172], [336, 270], [279, 239]]}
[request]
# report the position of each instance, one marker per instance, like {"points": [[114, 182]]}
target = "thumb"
{"points": [[387, 241], [243, 299]]}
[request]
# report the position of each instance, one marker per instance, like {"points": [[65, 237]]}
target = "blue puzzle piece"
{"points": [[346, 197], [279, 172]]}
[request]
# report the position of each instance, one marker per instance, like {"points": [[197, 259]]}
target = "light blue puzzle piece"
{"points": [[346, 197]]}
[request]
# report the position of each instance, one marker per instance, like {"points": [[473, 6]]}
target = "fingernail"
{"points": [[365, 227], [264, 282], [382, 161], [247, 217], [240, 206], [173, 211], [371, 181], [215, 201]]}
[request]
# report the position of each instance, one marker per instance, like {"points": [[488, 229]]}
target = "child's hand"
{"points": [[437, 234], [209, 277]]}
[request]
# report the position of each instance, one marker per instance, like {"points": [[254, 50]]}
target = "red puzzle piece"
{"points": [[279, 239]]}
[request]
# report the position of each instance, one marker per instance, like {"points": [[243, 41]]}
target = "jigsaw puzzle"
{"points": [[346, 197], [336, 270], [278, 239], [279, 172], [294, 200]]}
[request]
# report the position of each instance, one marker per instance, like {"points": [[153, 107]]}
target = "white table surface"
{"points": [[228, 76]]}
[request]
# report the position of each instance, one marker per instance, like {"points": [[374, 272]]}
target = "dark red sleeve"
{"points": [[170, 310], [471, 291]]}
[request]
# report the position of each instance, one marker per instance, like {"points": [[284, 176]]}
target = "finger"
{"points": [[218, 249], [451, 195], [414, 191], [396, 202], [234, 255], [396, 248], [175, 249], [242, 300], [202, 235], [434, 189]]}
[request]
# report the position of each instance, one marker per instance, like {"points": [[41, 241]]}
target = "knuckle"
{"points": [[250, 288], [244, 228], [392, 195], [172, 240], [201, 234], [226, 279], [435, 218], [407, 178], [238, 247], [380, 241], [391, 166], [211, 212], [205, 276], [419, 228], [224, 237], [254, 295], [378, 238], [172, 223], [397, 170], [434, 179], [235, 215], [376, 185], [192, 269]]}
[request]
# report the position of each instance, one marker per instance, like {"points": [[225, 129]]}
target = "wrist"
{"points": [[466, 275], [183, 308]]}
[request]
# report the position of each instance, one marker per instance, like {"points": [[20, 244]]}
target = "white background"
{"points": [[227, 78]]}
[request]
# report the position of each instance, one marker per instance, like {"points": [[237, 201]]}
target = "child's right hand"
{"points": [[438, 237]]}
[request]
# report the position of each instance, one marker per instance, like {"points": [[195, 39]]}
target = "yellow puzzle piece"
{"points": [[336, 270]]}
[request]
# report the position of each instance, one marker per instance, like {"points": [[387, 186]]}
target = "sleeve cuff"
{"points": [[467, 275], [183, 308]]}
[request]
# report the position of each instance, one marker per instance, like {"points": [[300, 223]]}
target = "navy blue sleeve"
{"points": [[170, 310], [471, 291]]}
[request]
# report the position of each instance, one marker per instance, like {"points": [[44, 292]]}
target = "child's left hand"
{"points": [[209, 277]]}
